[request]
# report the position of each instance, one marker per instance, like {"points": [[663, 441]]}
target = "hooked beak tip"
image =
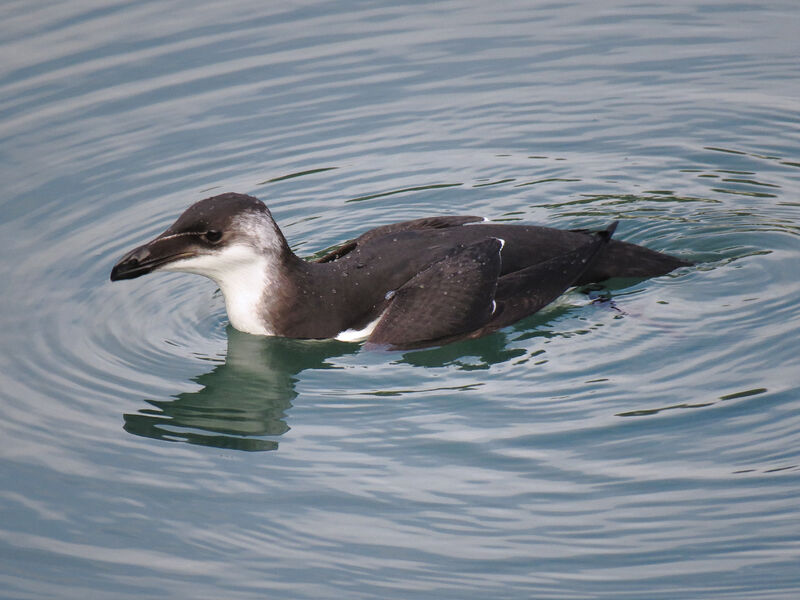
{"points": [[126, 270], [135, 263]]}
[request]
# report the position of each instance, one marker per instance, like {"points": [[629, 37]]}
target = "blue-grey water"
{"points": [[645, 446]]}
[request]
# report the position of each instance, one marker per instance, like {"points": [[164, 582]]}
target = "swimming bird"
{"points": [[412, 284]]}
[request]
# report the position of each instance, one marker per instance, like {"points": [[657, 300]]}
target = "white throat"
{"points": [[244, 275]]}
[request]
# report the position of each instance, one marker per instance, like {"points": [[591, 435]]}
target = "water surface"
{"points": [[641, 441]]}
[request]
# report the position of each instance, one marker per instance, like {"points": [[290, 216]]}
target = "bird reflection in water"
{"points": [[243, 402]]}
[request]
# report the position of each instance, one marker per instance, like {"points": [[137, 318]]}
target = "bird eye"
{"points": [[212, 236]]}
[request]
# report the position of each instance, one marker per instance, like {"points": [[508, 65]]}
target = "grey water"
{"points": [[641, 440]]}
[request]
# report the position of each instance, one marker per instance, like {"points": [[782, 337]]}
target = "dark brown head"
{"points": [[209, 235]]}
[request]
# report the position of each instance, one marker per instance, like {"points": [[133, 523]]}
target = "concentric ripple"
{"points": [[637, 439]]}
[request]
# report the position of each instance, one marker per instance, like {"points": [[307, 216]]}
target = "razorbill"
{"points": [[413, 284]]}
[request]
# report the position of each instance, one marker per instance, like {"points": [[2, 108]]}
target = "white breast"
{"points": [[244, 276]]}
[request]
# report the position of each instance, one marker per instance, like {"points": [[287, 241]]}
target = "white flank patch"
{"points": [[243, 275], [358, 335]]}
